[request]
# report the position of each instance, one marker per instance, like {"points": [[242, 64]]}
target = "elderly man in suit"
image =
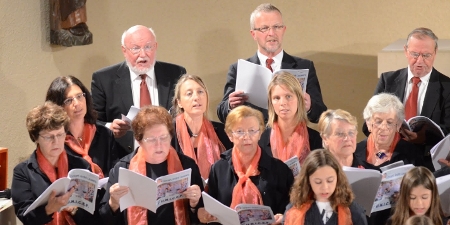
{"points": [[267, 29], [422, 89], [140, 80]]}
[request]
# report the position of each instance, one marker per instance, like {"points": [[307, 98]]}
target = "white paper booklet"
{"points": [[418, 123], [245, 214], [440, 151], [151, 194], [85, 193], [294, 165], [364, 183], [131, 114], [390, 185], [102, 183], [254, 79]]}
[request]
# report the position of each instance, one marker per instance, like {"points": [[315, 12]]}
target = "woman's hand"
{"points": [[115, 193], [204, 216], [278, 218], [193, 193], [56, 202]]}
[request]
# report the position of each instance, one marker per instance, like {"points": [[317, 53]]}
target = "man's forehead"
{"points": [[272, 17]]}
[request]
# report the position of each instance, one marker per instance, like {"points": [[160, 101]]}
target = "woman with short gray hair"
{"points": [[384, 115]]}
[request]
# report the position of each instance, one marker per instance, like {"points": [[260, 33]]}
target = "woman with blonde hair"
{"points": [[287, 134], [419, 196], [321, 194], [245, 174], [338, 129], [195, 136]]}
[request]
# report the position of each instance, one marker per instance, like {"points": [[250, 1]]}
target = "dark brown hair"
{"points": [[57, 94], [48, 116]]}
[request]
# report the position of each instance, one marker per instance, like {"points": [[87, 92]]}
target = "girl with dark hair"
{"points": [[418, 196], [321, 194]]}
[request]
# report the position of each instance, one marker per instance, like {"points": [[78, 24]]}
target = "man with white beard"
{"points": [[140, 80]]}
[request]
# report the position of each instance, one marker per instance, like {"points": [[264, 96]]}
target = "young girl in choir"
{"points": [[418, 196], [321, 194]]}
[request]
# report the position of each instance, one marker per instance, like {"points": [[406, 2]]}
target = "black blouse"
{"points": [[273, 182]]}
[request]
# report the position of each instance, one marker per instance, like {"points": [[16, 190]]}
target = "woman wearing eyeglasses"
{"points": [[245, 173], [153, 129], [338, 129], [384, 114], [47, 125], [287, 134], [87, 139], [195, 136]]}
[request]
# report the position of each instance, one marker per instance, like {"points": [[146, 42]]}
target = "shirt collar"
{"points": [[423, 79], [277, 59], [150, 73]]}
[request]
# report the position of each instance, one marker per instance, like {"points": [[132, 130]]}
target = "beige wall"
{"points": [[341, 37]]}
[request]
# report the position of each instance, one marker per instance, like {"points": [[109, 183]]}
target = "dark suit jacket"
{"points": [[289, 62], [436, 104], [315, 141], [112, 95], [29, 182]]}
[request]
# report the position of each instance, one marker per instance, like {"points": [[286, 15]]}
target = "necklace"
{"points": [[194, 135], [80, 139]]}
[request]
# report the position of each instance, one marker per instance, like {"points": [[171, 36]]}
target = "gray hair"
{"points": [[384, 103], [265, 7], [330, 115], [125, 33], [421, 33]]}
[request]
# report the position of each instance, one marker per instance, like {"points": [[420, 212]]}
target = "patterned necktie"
{"points": [[269, 64], [411, 103], [145, 94]]}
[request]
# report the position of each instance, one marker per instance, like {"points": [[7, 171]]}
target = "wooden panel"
{"points": [[3, 168]]}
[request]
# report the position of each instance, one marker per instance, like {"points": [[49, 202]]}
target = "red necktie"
{"points": [[269, 64], [145, 94], [411, 103]]}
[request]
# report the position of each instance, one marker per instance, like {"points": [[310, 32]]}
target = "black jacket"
{"points": [[29, 182], [116, 218]]}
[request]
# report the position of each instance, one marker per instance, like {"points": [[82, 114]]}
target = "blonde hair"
{"points": [[287, 80], [237, 114]]}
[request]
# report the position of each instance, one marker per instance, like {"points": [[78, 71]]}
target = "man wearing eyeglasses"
{"points": [[267, 29], [140, 80], [423, 90]]}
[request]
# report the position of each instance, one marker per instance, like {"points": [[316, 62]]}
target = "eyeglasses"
{"points": [[241, 133], [78, 97], [154, 140], [266, 28], [379, 124], [53, 138], [136, 50], [416, 55], [343, 135]]}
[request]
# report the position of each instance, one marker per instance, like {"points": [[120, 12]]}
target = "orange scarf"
{"points": [[371, 150], [63, 217], [245, 191], [296, 216], [209, 146], [76, 146], [138, 215], [298, 143]]}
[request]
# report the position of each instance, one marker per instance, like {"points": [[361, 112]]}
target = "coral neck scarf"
{"points": [[78, 147], [296, 216], [209, 146], [63, 217], [371, 149], [137, 215], [245, 191], [298, 143]]}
